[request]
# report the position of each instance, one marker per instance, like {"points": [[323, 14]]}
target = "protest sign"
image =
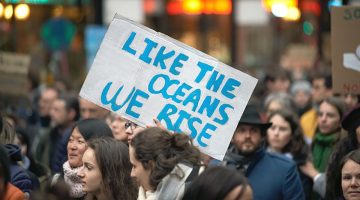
{"points": [[142, 74], [13, 73], [345, 40]]}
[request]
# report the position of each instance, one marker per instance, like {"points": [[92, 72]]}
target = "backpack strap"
{"points": [[194, 173]]}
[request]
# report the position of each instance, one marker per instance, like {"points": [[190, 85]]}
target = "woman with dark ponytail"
{"points": [[163, 163]]}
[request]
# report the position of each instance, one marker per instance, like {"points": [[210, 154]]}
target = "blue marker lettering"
{"points": [[205, 134], [161, 57], [149, 46], [223, 114], [114, 106], [180, 93], [204, 68], [165, 113], [127, 47], [178, 64], [214, 81], [135, 103], [230, 86], [194, 98], [209, 106], [191, 126], [182, 115], [163, 90]]}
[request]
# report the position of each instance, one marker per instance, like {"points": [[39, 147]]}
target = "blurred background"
{"points": [[56, 40]]}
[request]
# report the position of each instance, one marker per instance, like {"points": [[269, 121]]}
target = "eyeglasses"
{"points": [[130, 124]]}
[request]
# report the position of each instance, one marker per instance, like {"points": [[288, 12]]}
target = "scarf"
{"points": [[72, 179], [235, 159], [148, 195], [322, 149], [172, 186]]}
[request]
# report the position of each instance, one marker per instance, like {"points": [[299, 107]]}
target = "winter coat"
{"points": [[18, 175], [13, 193], [171, 187], [271, 176], [60, 153]]}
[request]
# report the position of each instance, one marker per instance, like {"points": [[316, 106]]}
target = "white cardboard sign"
{"points": [[142, 74]]}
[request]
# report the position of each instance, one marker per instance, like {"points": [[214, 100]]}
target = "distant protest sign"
{"points": [[14, 69], [142, 74], [345, 39]]}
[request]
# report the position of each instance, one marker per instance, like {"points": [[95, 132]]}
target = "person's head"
{"points": [[7, 133], [330, 113], [278, 80], [90, 110], [284, 131], [4, 171], [22, 140], [301, 92], [155, 152], [351, 100], [132, 129], [321, 87], [107, 169], [250, 132], [278, 101], [350, 175], [351, 123], [65, 111], [47, 97], [117, 124], [60, 190], [219, 183], [83, 131]]}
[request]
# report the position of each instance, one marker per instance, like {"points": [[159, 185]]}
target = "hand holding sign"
{"points": [[139, 73]]}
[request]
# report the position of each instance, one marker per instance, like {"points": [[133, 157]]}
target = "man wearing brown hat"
{"points": [[271, 176]]}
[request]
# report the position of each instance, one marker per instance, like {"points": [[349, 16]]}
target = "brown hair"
{"points": [[338, 103], [113, 159], [160, 151], [7, 133], [296, 146]]}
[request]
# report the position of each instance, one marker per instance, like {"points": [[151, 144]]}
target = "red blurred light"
{"points": [[174, 8], [311, 6], [149, 6]]}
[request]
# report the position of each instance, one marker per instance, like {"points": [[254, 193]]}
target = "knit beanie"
{"points": [[300, 86]]}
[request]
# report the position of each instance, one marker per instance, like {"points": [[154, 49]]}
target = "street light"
{"points": [[22, 11], [1, 10], [286, 9], [8, 11]]}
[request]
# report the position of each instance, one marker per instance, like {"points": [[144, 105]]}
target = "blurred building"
{"points": [[62, 36]]}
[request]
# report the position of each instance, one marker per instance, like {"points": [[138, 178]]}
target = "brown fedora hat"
{"points": [[252, 117]]}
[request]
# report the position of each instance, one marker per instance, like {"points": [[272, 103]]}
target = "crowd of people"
{"points": [[295, 140]]}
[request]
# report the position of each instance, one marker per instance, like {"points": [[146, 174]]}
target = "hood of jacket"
{"points": [[13, 152]]}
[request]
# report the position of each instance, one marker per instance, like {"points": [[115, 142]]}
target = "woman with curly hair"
{"points": [[163, 163], [106, 171]]}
